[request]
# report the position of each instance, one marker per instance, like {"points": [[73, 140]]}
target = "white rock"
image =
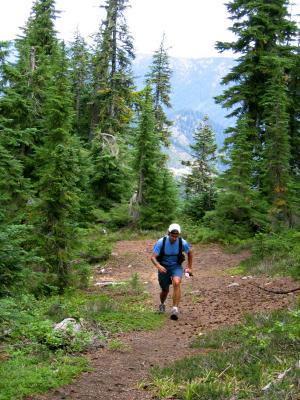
{"points": [[233, 284], [67, 323], [267, 387]]}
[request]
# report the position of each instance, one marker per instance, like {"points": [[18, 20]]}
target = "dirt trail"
{"points": [[211, 298]]}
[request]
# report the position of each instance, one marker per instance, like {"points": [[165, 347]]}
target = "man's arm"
{"points": [[189, 267], [160, 267]]}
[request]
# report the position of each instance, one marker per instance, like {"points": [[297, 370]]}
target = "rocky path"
{"points": [[211, 298]]}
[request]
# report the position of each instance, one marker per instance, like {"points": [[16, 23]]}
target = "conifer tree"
{"points": [[111, 178], [264, 32], [13, 188], [276, 178], [10, 232], [58, 188], [15, 254], [240, 210], [37, 108], [112, 82], [81, 77], [156, 191], [27, 78], [16, 107], [159, 79], [294, 111], [200, 183]]}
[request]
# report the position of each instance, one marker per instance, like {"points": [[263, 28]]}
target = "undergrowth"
{"points": [[241, 362], [274, 254], [35, 357]]}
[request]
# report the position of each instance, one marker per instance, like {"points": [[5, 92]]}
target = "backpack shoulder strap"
{"points": [[180, 245], [180, 256], [162, 250]]}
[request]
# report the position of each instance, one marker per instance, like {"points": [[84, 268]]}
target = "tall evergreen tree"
{"points": [[156, 192], [240, 210], [13, 188], [264, 32], [276, 178], [81, 78], [294, 111], [200, 183], [37, 108], [27, 81], [57, 206], [113, 83], [159, 79]]}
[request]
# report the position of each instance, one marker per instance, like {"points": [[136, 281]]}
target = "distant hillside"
{"points": [[195, 83]]}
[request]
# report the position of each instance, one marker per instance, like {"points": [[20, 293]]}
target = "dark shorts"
{"points": [[165, 280]]}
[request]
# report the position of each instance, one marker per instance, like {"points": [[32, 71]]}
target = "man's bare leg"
{"points": [[176, 282], [163, 295]]}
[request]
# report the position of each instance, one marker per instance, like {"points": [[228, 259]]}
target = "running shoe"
{"points": [[162, 308], [174, 313]]}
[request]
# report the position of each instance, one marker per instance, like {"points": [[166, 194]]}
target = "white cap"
{"points": [[174, 227]]}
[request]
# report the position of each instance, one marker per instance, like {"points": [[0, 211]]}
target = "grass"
{"points": [[38, 358], [239, 362], [276, 254], [27, 373], [118, 345]]}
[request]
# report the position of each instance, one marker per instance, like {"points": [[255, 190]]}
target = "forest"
{"points": [[84, 164]]}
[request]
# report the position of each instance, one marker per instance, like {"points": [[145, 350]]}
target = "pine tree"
{"points": [[240, 210], [13, 187], [159, 79], [37, 149], [111, 176], [81, 77], [57, 206], [27, 79], [294, 111], [277, 179], [200, 183], [113, 84], [16, 106], [14, 191], [264, 33], [15, 255], [156, 197]]}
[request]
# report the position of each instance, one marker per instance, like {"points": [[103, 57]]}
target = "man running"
{"points": [[167, 257]]}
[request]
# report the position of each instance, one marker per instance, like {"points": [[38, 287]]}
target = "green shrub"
{"points": [[275, 254]]}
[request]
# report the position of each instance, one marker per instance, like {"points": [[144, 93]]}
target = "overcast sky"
{"points": [[191, 26]]}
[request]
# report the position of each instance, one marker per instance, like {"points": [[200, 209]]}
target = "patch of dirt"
{"points": [[210, 298]]}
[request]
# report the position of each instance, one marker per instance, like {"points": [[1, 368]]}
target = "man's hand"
{"points": [[188, 270], [154, 260], [161, 269]]}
